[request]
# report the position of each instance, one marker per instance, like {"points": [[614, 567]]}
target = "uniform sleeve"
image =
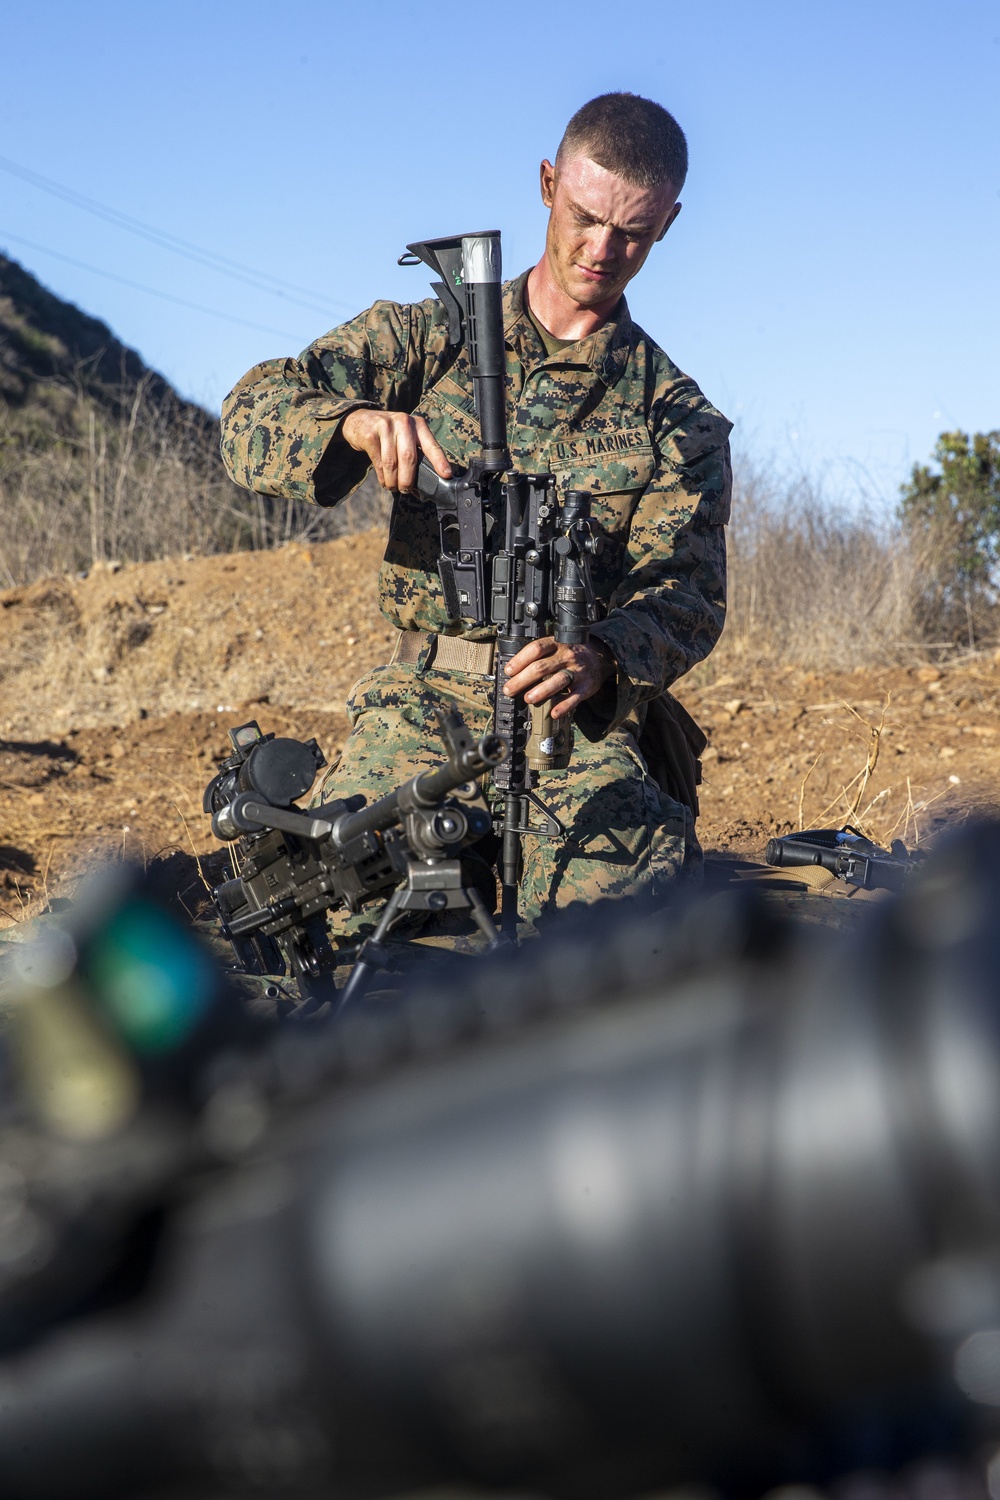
{"points": [[281, 424], [668, 610]]}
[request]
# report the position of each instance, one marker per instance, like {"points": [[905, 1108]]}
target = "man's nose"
{"points": [[600, 243]]}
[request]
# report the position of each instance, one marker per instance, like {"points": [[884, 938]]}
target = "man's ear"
{"points": [[547, 182], [670, 219]]}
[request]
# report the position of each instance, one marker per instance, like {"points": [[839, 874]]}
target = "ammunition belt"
{"points": [[448, 653]]}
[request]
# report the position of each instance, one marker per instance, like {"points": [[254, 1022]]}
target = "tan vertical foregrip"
{"points": [[550, 743]]}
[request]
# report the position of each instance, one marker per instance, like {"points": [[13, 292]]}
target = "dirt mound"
{"points": [[291, 628], [118, 689]]}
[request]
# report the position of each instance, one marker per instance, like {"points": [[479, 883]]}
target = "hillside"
{"points": [[118, 688], [100, 457], [49, 348], [102, 461]]}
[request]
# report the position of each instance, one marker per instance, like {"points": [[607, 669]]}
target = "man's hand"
{"points": [[543, 669], [394, 442]]}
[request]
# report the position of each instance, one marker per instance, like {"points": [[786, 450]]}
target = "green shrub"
{"points": [[953, 509]]}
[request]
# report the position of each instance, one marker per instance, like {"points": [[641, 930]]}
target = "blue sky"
{"points": [[832, 281]]}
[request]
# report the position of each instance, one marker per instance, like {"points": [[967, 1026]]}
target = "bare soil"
{"points": [[118, 689]]}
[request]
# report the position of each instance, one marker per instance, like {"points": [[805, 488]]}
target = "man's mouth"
{"points": [[593, 274]]}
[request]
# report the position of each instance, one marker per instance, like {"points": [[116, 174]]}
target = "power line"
{"points": [[213, 312], [262, 281]]}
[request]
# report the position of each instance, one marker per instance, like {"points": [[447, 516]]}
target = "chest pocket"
{"points": [[614, 465], [447, 410]]}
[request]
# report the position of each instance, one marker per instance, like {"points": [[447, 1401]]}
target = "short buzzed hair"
{"points": [[629, 135]]}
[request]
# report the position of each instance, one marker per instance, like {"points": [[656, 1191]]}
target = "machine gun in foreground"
{"points": [[665, 1203], [290, 867], [515, 554]]}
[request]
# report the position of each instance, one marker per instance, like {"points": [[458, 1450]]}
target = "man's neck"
{"points": [[564, 318]]}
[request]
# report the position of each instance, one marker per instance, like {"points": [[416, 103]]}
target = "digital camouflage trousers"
{"points": [[623, 835]]}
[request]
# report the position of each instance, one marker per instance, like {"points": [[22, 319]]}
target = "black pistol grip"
{"points": [[443, 492], [462, 560]]}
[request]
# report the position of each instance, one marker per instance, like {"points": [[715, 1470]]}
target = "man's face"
{"points": [[601, 228]]}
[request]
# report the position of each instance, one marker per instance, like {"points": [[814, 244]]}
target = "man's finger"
{"points": [[534, 674], [406, 455], [568, 705], [553, 686], [534, 651], [537, 689], [387, 439], [432, 448]]}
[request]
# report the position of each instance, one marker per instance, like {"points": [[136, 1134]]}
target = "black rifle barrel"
{"points": [[424, 789]]}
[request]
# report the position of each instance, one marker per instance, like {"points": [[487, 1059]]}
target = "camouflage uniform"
{"points": [[610, 414]]}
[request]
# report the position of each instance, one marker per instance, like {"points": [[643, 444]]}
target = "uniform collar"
{"points": [[604, 351]]}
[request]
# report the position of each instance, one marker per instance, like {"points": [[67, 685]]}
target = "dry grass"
{"points": [[129, 477], [891, 812], [813, 584]]}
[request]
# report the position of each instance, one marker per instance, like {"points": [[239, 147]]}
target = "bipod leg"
{"points": [[483, 920], [364, 969]]}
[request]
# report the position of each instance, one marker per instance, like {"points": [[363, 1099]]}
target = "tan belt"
{"points": [[448, 653]]}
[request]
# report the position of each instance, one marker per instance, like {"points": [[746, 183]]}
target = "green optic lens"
{"points": [[151, 978]]}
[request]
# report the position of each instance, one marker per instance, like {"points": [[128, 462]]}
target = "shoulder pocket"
{"points": [[698, 455], [387, 329], [702, 432]]}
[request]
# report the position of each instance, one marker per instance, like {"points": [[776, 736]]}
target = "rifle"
{"points": [[513, 553], [847, 854], [292, 866]]}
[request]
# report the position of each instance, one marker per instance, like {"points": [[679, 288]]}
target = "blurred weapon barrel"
{"points": [[681, 1201]]}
